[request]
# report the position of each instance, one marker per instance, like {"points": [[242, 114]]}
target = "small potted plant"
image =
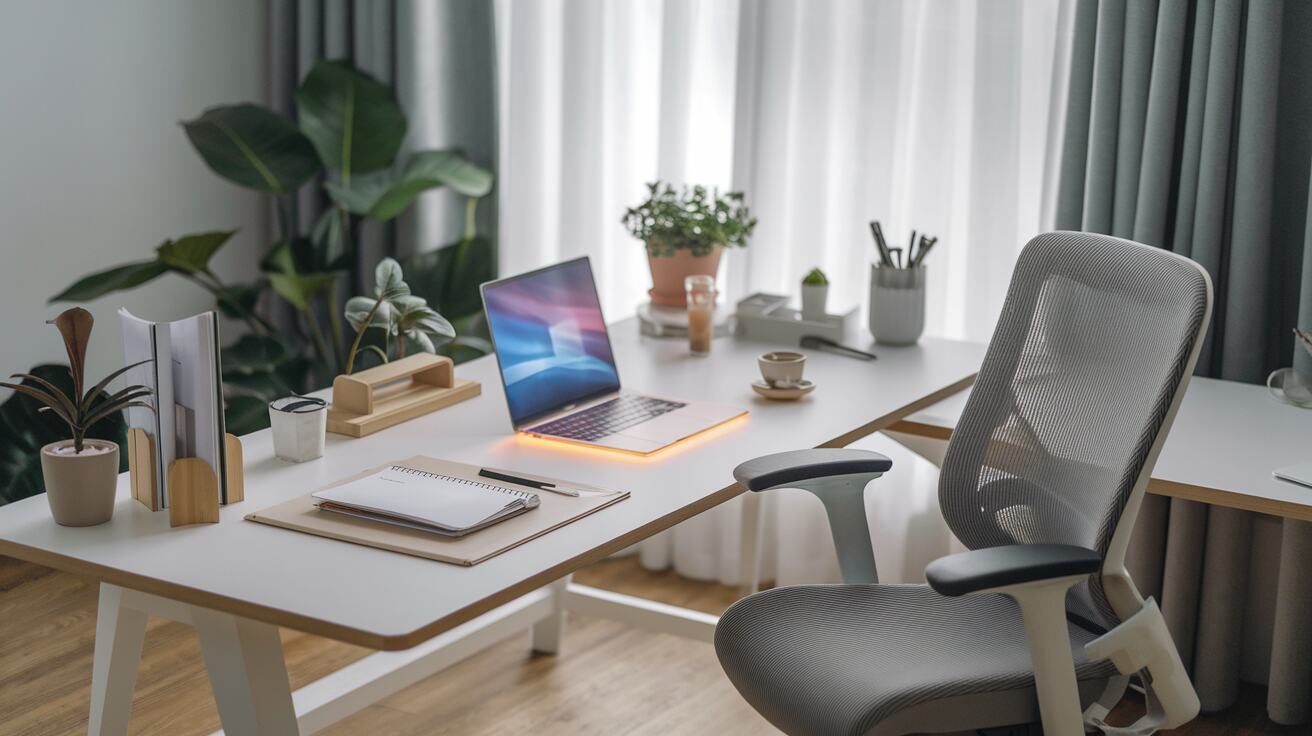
{"points": [[402, 316], [815, 292], [80, 474], [685, 231]]}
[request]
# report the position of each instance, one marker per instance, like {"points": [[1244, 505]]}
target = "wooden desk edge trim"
{"points": [[395, 642], [1157, 486]]}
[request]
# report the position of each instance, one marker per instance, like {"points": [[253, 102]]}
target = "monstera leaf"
{"points": [[25, 429]]}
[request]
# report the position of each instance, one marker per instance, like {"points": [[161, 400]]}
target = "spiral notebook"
{"points": [[430, 502], [506, 521]]}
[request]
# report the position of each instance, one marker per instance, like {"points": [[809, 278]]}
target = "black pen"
{"points": [[529, 482]]}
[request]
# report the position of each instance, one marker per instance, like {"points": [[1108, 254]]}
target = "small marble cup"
{"points": [[782, 368]]}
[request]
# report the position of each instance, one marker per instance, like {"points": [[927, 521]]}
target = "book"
{"points": [[431, 502], [184, 374]]}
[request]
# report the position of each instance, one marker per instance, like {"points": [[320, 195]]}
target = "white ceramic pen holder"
{"points": [[298, 425], [897, 304]]}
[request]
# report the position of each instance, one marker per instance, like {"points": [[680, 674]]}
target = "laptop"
{"points": [[559, 373]]}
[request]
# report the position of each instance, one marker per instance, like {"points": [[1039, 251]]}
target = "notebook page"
{"points": [[443, 501]]}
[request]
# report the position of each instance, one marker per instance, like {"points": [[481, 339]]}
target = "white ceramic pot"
{"points": [[814, 297]]}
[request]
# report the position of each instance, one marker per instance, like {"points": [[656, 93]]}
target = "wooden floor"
{"points": [[610, 679]]}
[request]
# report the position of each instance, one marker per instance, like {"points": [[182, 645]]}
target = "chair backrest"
{"points": [[1096, 338]]}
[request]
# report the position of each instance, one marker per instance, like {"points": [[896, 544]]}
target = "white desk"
{"points": [[237, 580], [1226, 440]]}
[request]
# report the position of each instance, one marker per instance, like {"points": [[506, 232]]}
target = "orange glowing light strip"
{"points": [[704, 435]]}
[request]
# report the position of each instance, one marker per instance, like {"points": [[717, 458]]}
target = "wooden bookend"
{"points": [[389, 394], [193, 492], [141, 467], [236, 479]]}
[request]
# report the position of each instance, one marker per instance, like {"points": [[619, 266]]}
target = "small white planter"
{"points": [[298, 426], [813, 301]]}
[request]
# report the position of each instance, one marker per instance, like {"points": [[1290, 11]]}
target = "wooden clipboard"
{"points": [[555, 511]]}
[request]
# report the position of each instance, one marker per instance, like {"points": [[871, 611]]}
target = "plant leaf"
{"points": [[85, 401], [358, 309], [449, 277], [253, 147], [192, 253], [327, 234], [253, 354], [107, 410], [301, 289], [246, 414], [48, 388], [50, 401], [118, 278], [238, 300], [388, 280], [351, 118], [75, 325], [382, 195]]}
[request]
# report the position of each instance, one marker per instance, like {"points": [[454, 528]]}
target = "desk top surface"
{"points": [[391, 601], [1227, 439]]}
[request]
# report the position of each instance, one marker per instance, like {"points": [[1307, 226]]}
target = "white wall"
{"points": [[94, 168]]}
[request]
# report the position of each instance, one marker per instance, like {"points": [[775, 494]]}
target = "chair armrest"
{"points": [[784, 468], [1015, 564]]}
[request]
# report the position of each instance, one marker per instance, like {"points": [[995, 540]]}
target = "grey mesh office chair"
{"points": [[1042, 481]]}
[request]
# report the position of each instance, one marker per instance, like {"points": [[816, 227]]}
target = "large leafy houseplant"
{"points": [[347, 136]]}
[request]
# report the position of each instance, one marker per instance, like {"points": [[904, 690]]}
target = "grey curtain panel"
{"points": [[1188, 128], [301, 32]]}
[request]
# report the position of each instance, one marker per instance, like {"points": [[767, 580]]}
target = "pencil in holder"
{"points": [[897, 304]]}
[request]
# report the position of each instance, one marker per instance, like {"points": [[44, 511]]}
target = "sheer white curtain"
{"points": [[827, 113]]}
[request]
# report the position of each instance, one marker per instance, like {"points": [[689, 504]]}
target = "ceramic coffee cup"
{"points": [[782, 368]]}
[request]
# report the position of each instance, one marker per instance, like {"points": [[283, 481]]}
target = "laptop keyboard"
{"points": [[607, 418]]}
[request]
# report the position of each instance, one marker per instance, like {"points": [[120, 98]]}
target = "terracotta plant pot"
{"points": [[80, 488], [668, 273]]}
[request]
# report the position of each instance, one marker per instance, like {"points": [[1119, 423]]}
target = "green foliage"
{"points": [[400, 314], [816, 278], [253, 147], [26, 427], [695, 219], [351, 118], [348, 130]]}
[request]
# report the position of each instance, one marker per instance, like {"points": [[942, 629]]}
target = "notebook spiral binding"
{"points": [[525, 495]]}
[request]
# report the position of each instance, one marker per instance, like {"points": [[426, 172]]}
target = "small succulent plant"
{"points": [[82, 410], [816, 278]]}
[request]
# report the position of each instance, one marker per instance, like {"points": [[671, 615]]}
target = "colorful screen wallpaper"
{"points": [[550, 339]]}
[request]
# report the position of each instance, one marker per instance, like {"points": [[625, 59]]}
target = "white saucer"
{"points": [[803, 388]]}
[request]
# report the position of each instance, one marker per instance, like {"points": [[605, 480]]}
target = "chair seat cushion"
{"points": [[840, 659]]}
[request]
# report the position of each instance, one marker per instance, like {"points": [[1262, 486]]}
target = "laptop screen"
{"points": [[550, 339]]}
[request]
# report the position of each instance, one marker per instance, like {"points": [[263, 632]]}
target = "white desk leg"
{"points": [[119, 633], [749, 548], [247, 672], [547, 633]]}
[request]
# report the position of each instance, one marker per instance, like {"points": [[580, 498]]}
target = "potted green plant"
{"points": [[402, 316], [685, 231], [815, 292], [80, 474]]}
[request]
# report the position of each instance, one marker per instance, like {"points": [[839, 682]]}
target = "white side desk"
{"points": [[237, 581], [1226, 440]]}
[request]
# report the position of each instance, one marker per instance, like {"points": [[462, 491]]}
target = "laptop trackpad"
{"points": [[668, 427]]}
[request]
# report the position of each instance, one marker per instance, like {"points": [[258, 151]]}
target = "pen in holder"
{"points": [[897, 304]]}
